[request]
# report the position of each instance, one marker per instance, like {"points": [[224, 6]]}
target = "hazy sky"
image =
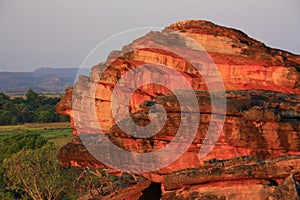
{"points": [[60, 33]]}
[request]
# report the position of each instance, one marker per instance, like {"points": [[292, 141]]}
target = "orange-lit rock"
{"points": [[262, 117]]}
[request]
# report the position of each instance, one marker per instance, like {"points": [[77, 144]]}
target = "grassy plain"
{"points": [[59, 133]]}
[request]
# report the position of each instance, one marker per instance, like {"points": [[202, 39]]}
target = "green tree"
{"points": [[16, 142], [22, 112], [31, 96], [7, 111], [36, 173], [32, 100], [28, 159], [5, 117], [3, 99], [35, 108], [46, 114], [14, 120], [63, 118], [12, 145]]}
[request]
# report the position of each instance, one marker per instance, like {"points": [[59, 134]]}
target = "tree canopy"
{"points": [[33, 108], [35, 172], [30, 169]]}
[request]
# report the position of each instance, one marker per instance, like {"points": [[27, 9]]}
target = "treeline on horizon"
{"points": [[34, 108]]}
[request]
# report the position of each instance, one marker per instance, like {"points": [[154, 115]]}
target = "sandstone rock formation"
{"points": [[257, 155]]}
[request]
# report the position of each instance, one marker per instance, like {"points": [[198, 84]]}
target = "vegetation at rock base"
{"points": [[35, 172], [33, 108], [30, 169]]}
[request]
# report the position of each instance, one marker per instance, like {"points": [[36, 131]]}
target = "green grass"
{"points": [[59, 133]]}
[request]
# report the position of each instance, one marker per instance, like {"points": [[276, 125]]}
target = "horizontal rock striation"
{"points": [[259, 144]]}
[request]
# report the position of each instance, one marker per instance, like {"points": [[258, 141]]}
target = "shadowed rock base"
{"points": [[232, 190]]}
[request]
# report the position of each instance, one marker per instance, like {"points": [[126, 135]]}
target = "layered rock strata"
{"points": [[259, 145]]}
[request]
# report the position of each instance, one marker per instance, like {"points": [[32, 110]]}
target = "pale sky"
{"points": [[60, 33]]}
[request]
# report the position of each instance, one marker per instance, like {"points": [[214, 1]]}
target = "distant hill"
{"points": [[42, 80]]}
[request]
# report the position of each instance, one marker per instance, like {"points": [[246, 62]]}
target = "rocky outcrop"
{"points": [[129, 193], [240, 168], [246, 189], [259, 144]]}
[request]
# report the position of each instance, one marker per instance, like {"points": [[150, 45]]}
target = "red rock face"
{"points": [[262, 116]]}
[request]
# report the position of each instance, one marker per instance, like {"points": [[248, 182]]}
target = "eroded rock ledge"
{"points": [[259, 146]]}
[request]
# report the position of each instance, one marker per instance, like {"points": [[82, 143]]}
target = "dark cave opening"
{"points": [[272, 182], [298, 187], [153, 192]]}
